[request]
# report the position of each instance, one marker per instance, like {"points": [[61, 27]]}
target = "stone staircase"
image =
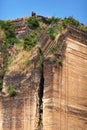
{"points": [[77, 34], [46, 42], [71, 31], [21, 30]]}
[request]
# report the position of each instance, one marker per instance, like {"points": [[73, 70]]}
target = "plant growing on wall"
{"points": [[11, 91], [30, 42], [54, 48], [52, 32], [53, 20], [9, 32], [83, 27], [70, 20], [28, 62], [39, 65], [32, 22], [9, 60]]}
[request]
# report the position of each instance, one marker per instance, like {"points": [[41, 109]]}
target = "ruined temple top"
{"points": [[77, 34]]}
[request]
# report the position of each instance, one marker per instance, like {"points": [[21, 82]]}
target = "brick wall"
{"points": [[65, 90]]}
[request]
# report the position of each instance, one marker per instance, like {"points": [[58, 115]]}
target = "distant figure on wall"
{"points": [[33, 13]]}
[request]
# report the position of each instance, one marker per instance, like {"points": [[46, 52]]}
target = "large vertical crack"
{"points": [[40, 93]]}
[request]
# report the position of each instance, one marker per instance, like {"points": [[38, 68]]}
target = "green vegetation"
{"points": [[59, 61], [52, 32], [30, 41], [1, 73], [84, 28], [54, 48], [9, 32], [52, 26], [11, 91], [32, 22], [37, 26], [40, 65], [70, 21], [53, 29], [7, 62], [56, 25], [9, 29], [27, 62], [10, 59], [54, 20]]}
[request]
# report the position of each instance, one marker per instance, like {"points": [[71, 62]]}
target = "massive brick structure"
{"points": [[54, 98], [65, 97]]}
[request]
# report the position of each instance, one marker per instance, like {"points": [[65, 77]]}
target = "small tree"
{"points": [[32, 22], [12, 91], [9, 31], [51, 32], [30, 42]]}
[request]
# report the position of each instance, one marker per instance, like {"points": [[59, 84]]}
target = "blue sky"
{"points": [[11, 9]]}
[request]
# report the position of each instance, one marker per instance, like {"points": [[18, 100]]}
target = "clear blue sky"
{"points": [[10, 9]]}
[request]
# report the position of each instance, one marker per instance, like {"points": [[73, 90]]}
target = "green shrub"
{"points": [[60, 62], [60, 27], [53, 20], [11, 91], [9, 30], [83, 27], [70, 20], [2, 24], [11, 40], [32, 22], [29, 42], [51, 32], [40, 65], [55, 59]]}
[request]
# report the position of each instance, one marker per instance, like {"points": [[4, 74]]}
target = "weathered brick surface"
{"points": [[18, 113], [64, 95], [21, 29], [65, 106]]}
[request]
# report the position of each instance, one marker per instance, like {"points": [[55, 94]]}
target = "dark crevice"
{"points": [[40, 94]]}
